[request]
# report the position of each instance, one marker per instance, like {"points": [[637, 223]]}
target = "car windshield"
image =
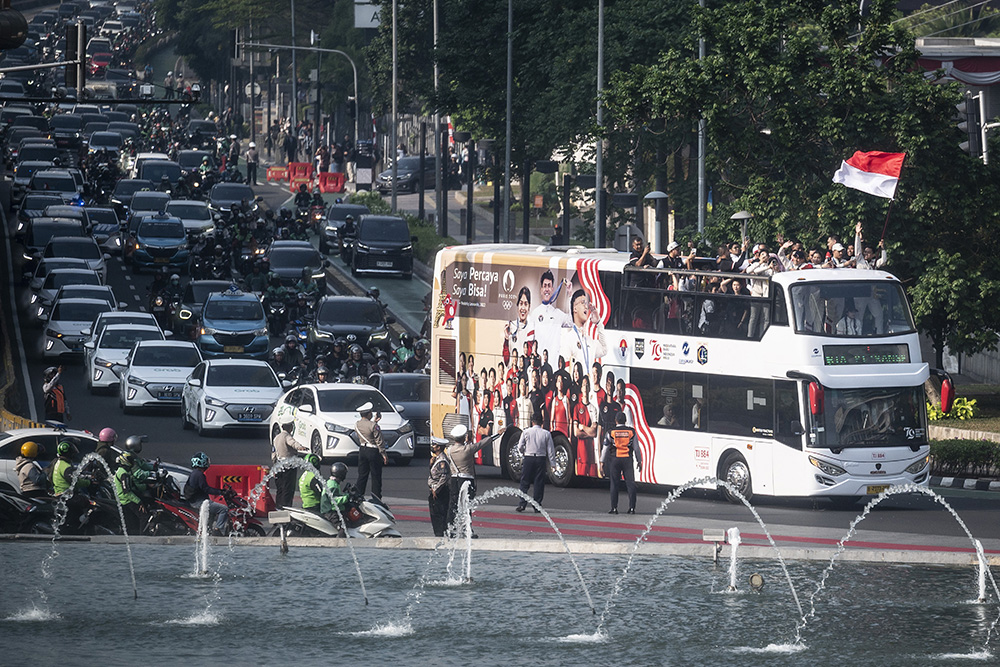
{"points": [[77, 312], [162, 230], [125, 339], [411, 163], [43, 181], [230, 309], [87, 250], [190, 211], [191, 161], [41, 233], [156, 355], [126, 188], [288, 258], [34, 202], [340, 212], [103, 216], [155, 171], [26, 169], [851, 309], [884, 417], [349, 312], [86, 292], [407, 388], [149, 201], [241, 376], [232, 192], [348, 400], [198, 293], [57, 279], [106, 139], [385, 229]]}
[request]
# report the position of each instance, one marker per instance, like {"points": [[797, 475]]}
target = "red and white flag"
{"points": [[874, 172]]}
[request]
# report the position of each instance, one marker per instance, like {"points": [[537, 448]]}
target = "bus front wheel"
{"points": [[563, 467], [734, 469]]}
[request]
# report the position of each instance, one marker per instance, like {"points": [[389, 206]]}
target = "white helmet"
{"points": [[253, 144], [170, 73], [232, 136]]}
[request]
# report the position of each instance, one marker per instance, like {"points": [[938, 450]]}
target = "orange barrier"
{"points": [[331, 182], [243, 479], [295, 181], [300, 170], [277, 174]]}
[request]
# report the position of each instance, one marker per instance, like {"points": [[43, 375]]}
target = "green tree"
{"points": [[963, 19]]}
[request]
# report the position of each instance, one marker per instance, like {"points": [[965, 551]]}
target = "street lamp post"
{"points": [[510, 94], [656, 196], [601, 230]]}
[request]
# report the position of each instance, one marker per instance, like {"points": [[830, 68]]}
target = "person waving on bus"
{"points": [[617, 462]]}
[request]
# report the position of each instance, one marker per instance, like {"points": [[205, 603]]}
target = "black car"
{"points": [[224, 195], [201, 133], [67, 130], [121, 197], [187, 317], [412, 393], [356, 318], [288, 258], [409, 178], [384, 245], [335, 217], [33, 206]]}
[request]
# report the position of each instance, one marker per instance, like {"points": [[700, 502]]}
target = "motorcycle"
{"points": [[317, 218], [170, 514], [163, 308], [363, 519], [346, 244], [21, 514], [276, 314], [220, 270]]}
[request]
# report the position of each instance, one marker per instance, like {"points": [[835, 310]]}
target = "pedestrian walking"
{"points": [[616, 460], [56, 405], [371, 454], [438, 481], [283, 447], [252, 158], [538, 449], [462, 458]]}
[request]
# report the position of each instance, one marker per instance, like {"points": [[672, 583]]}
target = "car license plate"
{"points": [[169, 396], [384, 265], [875, 489], [232, 349], [161, 260], [249, 418], [423, 440]]}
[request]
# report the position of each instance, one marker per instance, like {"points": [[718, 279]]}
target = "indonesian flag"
{"points": [[875, 172]]}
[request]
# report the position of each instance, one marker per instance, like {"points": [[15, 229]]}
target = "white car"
{"points": [[229, 394], [10, 449], [103, 357], [154, 373], [194, 214], [54, 279], [117, 317], [325, 415], [84, 248], [65, 324], [103, 292]]}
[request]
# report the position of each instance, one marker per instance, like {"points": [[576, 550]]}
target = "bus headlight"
{"points": [[917, 466], [826, 467]]}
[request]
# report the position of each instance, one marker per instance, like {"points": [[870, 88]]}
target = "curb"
{"points": [[968, 483]]}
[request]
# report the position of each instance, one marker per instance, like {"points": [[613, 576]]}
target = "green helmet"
{"points": [[312, 460], [66, 448], [125, 460]]}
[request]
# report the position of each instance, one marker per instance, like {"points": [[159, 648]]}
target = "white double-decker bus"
{"points": [[807, 383]]}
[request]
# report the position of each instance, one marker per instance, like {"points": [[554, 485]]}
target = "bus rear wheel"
{"points": [[563, 470], [511, 459], [734, 469]]}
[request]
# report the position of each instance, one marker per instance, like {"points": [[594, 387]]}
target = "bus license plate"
{"points": [[874, 490], [384, 265], [232, 349]]}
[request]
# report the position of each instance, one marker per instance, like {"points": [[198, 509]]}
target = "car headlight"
{"points": [[362, 246], [379, 335], [319, 275], [406, 248], [158, 301], [102, 362], [917, 466], [828, 468], [184, 314], [27, 256], [321, 334], [214, 402], [52, 333], [260, 332], [406, 428], [335, 428], [139, 382], [208, 331], [34, 298]]}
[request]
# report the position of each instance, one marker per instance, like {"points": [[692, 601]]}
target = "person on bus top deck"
{"points": [[673, 259], [640, 255]]}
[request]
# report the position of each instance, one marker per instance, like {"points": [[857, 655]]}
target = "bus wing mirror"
{"points": [[815, 398]]}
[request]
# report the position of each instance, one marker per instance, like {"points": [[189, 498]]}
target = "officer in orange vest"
{"points": [[617, 461], [56, 407]]}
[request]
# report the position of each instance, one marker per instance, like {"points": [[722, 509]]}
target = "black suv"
{"points": [[357, 319], [384, 245]]}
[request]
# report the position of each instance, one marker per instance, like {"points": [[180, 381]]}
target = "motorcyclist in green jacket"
{"points": [[310, 486], [130, 486], [63, 468], [333, 504]]}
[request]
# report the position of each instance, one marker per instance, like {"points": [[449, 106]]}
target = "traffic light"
{"points": [[76, 50], [971, 124]]}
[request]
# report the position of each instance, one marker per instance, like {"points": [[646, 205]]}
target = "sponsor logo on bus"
{"points": [[640, 347], [623, 348], [702, 355]]}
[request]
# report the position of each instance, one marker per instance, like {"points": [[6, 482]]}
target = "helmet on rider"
{"points": [[284, 213], [356, 352], [291, 340], [322, 372], [175, 279], [125, 460], [275, 280], [67, 447], [312, 460], [303, 188], [381, 354], [421, 346], [278, 352], [306, 273], [107, 435], [50, 373], [200, 460], [29, 450], [339, 471], [374, 292], [383, 366], [133, 443], [253, 144], [406, 341]]}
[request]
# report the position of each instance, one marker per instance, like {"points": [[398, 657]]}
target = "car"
{"points": [[56, 181], [37, 152], [148, 200], [344, 316], [190, 160], [408, 175], [155, 170], [126, 128], [287, 259], [410, 393], [201, 133], [383, 245], [223, 195], [65, 323], [195, 216], [103, 292], [98, 63], [187, 317], [92, 128], [54, 279], [40, 230], [64, 212], [67, 130], [36, 279], [21, 177], [106, 228], [229, 394], [121, 196], [116, 317], [33, 206], [142, 157], [325, 415], [107, 140], [104, 356], [336, 214], [233, 323], [47, 438], [154, 372], [80, 248], [160, 240]]}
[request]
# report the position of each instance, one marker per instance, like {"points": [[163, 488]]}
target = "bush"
{"points": [[965, 458], [372, 199], [964, 408]]}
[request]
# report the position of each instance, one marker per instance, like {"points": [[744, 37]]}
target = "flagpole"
{"points": [[888, 210]]}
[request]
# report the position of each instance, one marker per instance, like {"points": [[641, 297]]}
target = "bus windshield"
{"points": [[851, 309], [882, 417]]}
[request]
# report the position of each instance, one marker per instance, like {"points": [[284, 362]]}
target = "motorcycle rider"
{"points": [[33, 481], [300, 309], [355, 366], [302, 198], [321, 365], [256, 281], [261, 234], [405, 349], [322, 375], [308, 285], [197, 490], [160, 280], [133, 444], [334, 500], [130, 485], [292, 351], [164, 185], [310, 486], [276, 294], [173, 290], [182, 190], [205, 167], [338, 352], [105, 441], [317, 199], [63, 468], [279, 361], [348, 229], [420, 359], [375, 293]]}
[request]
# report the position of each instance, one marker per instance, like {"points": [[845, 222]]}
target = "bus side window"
{"points": [[779, 316], [695, 402], [787, 419]]}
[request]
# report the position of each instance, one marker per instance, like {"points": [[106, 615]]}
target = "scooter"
{"points": [[21, 514], [172, 515], [363, 518]]}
